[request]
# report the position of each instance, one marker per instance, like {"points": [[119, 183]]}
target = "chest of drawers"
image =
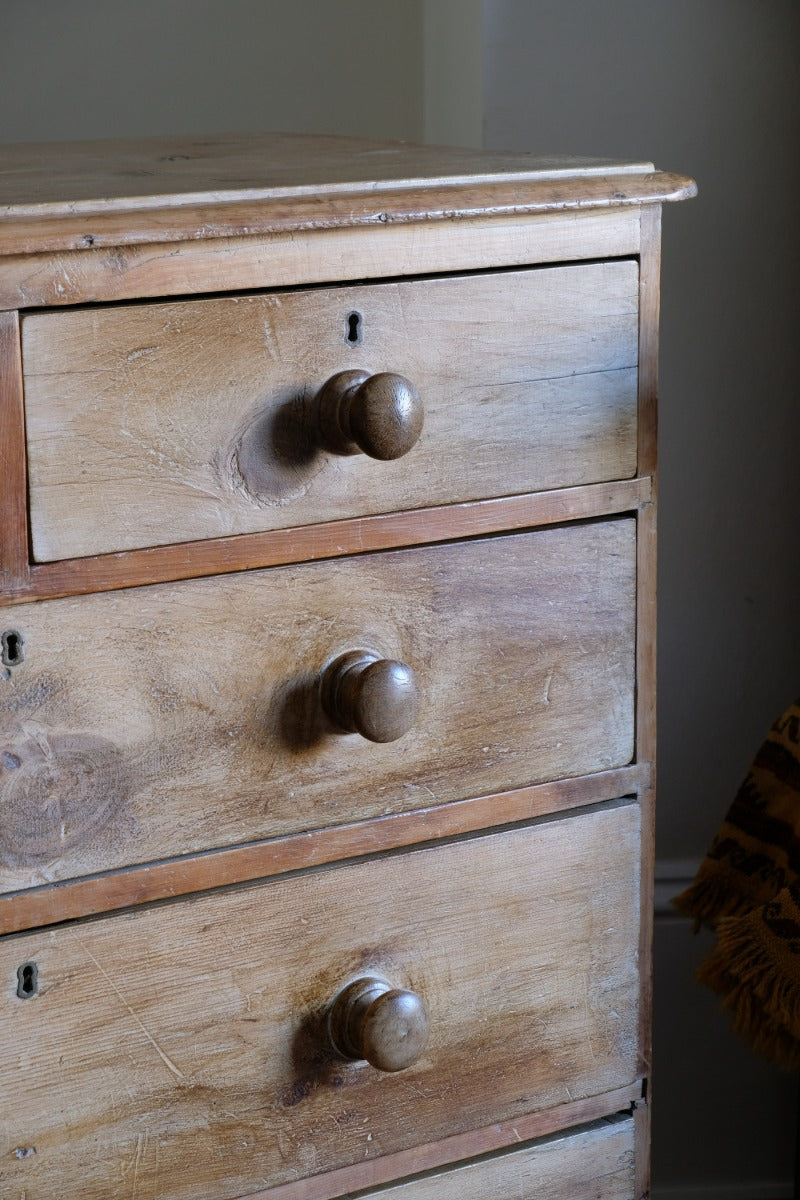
{"points": [[327, 684]]}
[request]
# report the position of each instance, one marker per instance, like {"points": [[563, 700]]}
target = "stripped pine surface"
{"points": [[61, 278], [99, 193], [156, 424], [191, 1039], [311, 543], [14, 552], [160, 721], [50, 904], [592, 1164]]}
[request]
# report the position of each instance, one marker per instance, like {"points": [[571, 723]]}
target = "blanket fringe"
{"points": [[747, 890], [711, 898], [763, 1002]]}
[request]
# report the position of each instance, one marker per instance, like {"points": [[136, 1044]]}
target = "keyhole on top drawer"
{"points": [[27, 980], [354, 333], [12, 648]]}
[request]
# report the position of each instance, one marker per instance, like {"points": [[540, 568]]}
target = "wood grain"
{"points": [[169, 720], [13, 470], [68, 277], [592, 1164], [646, 619], [432, 1155], [649, 310], [647, 454], [155, 424], [41, 230], [186, 1043], [61, 178], [83, 194], [53, 903], [642, 1116], [646, 749], [334, 539]]}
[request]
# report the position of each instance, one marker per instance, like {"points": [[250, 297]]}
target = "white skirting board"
{"points": [[732, 1191], [673, 875]]}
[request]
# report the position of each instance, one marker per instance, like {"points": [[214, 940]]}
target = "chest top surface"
{"points": [[172, 188]]}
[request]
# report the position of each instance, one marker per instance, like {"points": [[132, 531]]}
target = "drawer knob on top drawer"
{"points": [[376, 697], [372, 1020], [380, 415]]}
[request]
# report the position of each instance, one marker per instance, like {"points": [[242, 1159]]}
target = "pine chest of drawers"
{"points": [[327, 683]]}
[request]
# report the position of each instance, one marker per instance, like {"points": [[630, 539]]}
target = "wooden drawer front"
{"points": [[169, 719], [165, 423], [186, 1043], [594, 1164]]}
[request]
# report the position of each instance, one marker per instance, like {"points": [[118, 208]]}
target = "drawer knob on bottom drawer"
{"points": [[372, 1020], [381, 415], [376, 697]]}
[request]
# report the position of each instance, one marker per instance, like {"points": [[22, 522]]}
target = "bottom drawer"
{"points": [[183, 1050], [596, 1163]]}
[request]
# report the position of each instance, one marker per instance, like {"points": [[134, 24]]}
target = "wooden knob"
{"points": [[376, 697], [372, 1020], [381, 415]]}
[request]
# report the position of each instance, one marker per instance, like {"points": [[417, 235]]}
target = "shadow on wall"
{"points": [[723, 1118]]}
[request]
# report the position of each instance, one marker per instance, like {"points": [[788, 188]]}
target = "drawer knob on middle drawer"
{"points": [[372, 1020], [376, 697], [380, 415]]}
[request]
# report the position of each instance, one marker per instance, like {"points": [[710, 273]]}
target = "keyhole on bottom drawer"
{"points": [[27, 980], [12, 648]]}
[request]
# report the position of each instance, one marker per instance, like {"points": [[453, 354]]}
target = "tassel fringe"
{"points": [[763, 1000], [748, 891], [710, 898]]}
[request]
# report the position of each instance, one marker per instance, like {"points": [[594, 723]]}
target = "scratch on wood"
{"points": [[167, 1061], [141, 1147], [587, 1011]]}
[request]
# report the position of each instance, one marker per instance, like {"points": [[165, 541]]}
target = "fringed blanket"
{"points": [[748, 891]]}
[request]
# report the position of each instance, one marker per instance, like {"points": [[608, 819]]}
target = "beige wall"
{"points": [[113, 68], [452, 47]]}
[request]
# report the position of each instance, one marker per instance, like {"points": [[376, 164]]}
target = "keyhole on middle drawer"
{"points": [[354, 333]]}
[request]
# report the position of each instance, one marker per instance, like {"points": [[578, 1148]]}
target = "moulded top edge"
{"points": [[47, 180]]}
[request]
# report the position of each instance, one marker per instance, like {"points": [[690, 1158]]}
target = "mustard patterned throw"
{"points": [[748, 890]]}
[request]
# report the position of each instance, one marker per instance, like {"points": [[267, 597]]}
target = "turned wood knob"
{"points": [[376, 697], [381, 415], [372, 1020]]}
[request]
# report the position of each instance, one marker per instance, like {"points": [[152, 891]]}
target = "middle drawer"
{"points": [[169, 719]]}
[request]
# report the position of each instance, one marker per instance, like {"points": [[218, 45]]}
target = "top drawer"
{"points": [[170, 422]]}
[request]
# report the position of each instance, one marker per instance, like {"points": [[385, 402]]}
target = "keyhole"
{"points": [[27, 980], [12, 648], [353, 334]]}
